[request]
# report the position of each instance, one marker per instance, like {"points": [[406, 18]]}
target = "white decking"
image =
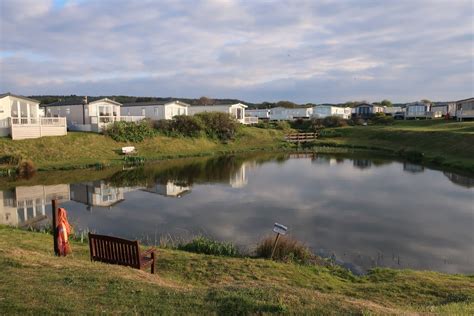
{"points": [[32, 127], [98, 123]]}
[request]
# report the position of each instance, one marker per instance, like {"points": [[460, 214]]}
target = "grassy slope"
{"points": [[447, 143], [32, 278], [78, 149]]}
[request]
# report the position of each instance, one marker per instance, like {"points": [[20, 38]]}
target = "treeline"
{"points": [[48, 99]]}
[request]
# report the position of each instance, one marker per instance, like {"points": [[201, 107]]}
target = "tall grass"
{"points": [[288, 249], [208, 246]]}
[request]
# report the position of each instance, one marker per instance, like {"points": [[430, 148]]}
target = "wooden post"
{"points": [[275, 245], [54, 209]]}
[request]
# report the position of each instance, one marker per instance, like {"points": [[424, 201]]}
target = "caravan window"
{"points": [[155, 110]]}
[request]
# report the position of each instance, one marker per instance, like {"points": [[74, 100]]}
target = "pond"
{"points": [[362, 212]]}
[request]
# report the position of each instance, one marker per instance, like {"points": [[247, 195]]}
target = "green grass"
{"points": [[446, 144], [34, 281], [78, 149]]}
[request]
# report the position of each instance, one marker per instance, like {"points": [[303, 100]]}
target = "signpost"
{"points": [[279, 229]]}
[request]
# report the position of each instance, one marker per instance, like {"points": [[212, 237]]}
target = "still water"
{"points": [[362, 212]]}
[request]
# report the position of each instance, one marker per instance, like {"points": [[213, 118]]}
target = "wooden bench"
{"points": [[120, 251]]}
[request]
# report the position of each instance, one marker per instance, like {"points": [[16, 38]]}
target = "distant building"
{"points": [[20, 117], [420, 109], [322, 111], [367, 110], [444, 108], [85, 116], [236, 110], [465, 109], [289, 114], [155, 110], [263, 114]]}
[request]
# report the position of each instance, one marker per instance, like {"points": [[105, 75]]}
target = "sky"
{"points": [[305, 51]]}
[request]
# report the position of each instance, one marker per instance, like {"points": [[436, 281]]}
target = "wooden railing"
{"points": [[301, 137], [111, 119]]}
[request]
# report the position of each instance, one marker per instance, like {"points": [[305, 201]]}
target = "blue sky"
{"points": [[301, 50]]}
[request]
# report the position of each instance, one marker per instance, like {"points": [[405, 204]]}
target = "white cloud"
{"points": [[304, 51]]}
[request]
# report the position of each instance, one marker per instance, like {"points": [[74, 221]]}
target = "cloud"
{"points": [[306, 51]]}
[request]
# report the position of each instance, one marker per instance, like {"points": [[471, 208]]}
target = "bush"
{"points": [[219, 125], [210, 247], [163, 126], [130, 131], [334, 121], [190, 126], [382, 119], [26, 169], [356, 121], [10, 159], [288, 250], [282, 125]]}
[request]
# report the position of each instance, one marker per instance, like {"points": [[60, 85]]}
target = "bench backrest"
{"points": [[114, 250]]}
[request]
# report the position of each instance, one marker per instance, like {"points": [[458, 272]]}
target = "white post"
{"points": [[18, 111], [27, 113]]}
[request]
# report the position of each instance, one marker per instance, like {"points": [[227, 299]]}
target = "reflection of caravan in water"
{"points": [[168, 189], [362, 163], [26, 206], [239, 178], [412, 168], [97, 193], [460, 180]]}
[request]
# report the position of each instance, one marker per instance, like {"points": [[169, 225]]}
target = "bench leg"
{"points": [[153, 263]]}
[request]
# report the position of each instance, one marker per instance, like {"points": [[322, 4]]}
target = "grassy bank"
{"points": [[34, 281], [440, 143], [445, 144], [78, 150]]}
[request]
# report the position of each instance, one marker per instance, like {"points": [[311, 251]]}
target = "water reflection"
{"points": [[25, 206], [362, 212]]}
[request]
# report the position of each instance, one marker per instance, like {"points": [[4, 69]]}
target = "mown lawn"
{"points": [[449, 144], [81, 149], [34, 281]]}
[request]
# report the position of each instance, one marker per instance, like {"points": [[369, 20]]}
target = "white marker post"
{"points": [[279, 229]]}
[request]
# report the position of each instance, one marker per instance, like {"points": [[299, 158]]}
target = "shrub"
{"points": [[356, 121], [10, 159], [190, 126], [130, 131], [282, 125], [163, 126], [209, 247], [334, 121], [382, 119], [219, 125], [26, 169], [411, 155], [288, 250]]}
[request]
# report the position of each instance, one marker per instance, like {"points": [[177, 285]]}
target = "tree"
{"points": [[386, 102], [286, 104], [205, 101], [426, 101]]}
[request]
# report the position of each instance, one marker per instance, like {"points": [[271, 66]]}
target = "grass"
{"points": [[445, 144], [34, 281], [82, 150]]}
